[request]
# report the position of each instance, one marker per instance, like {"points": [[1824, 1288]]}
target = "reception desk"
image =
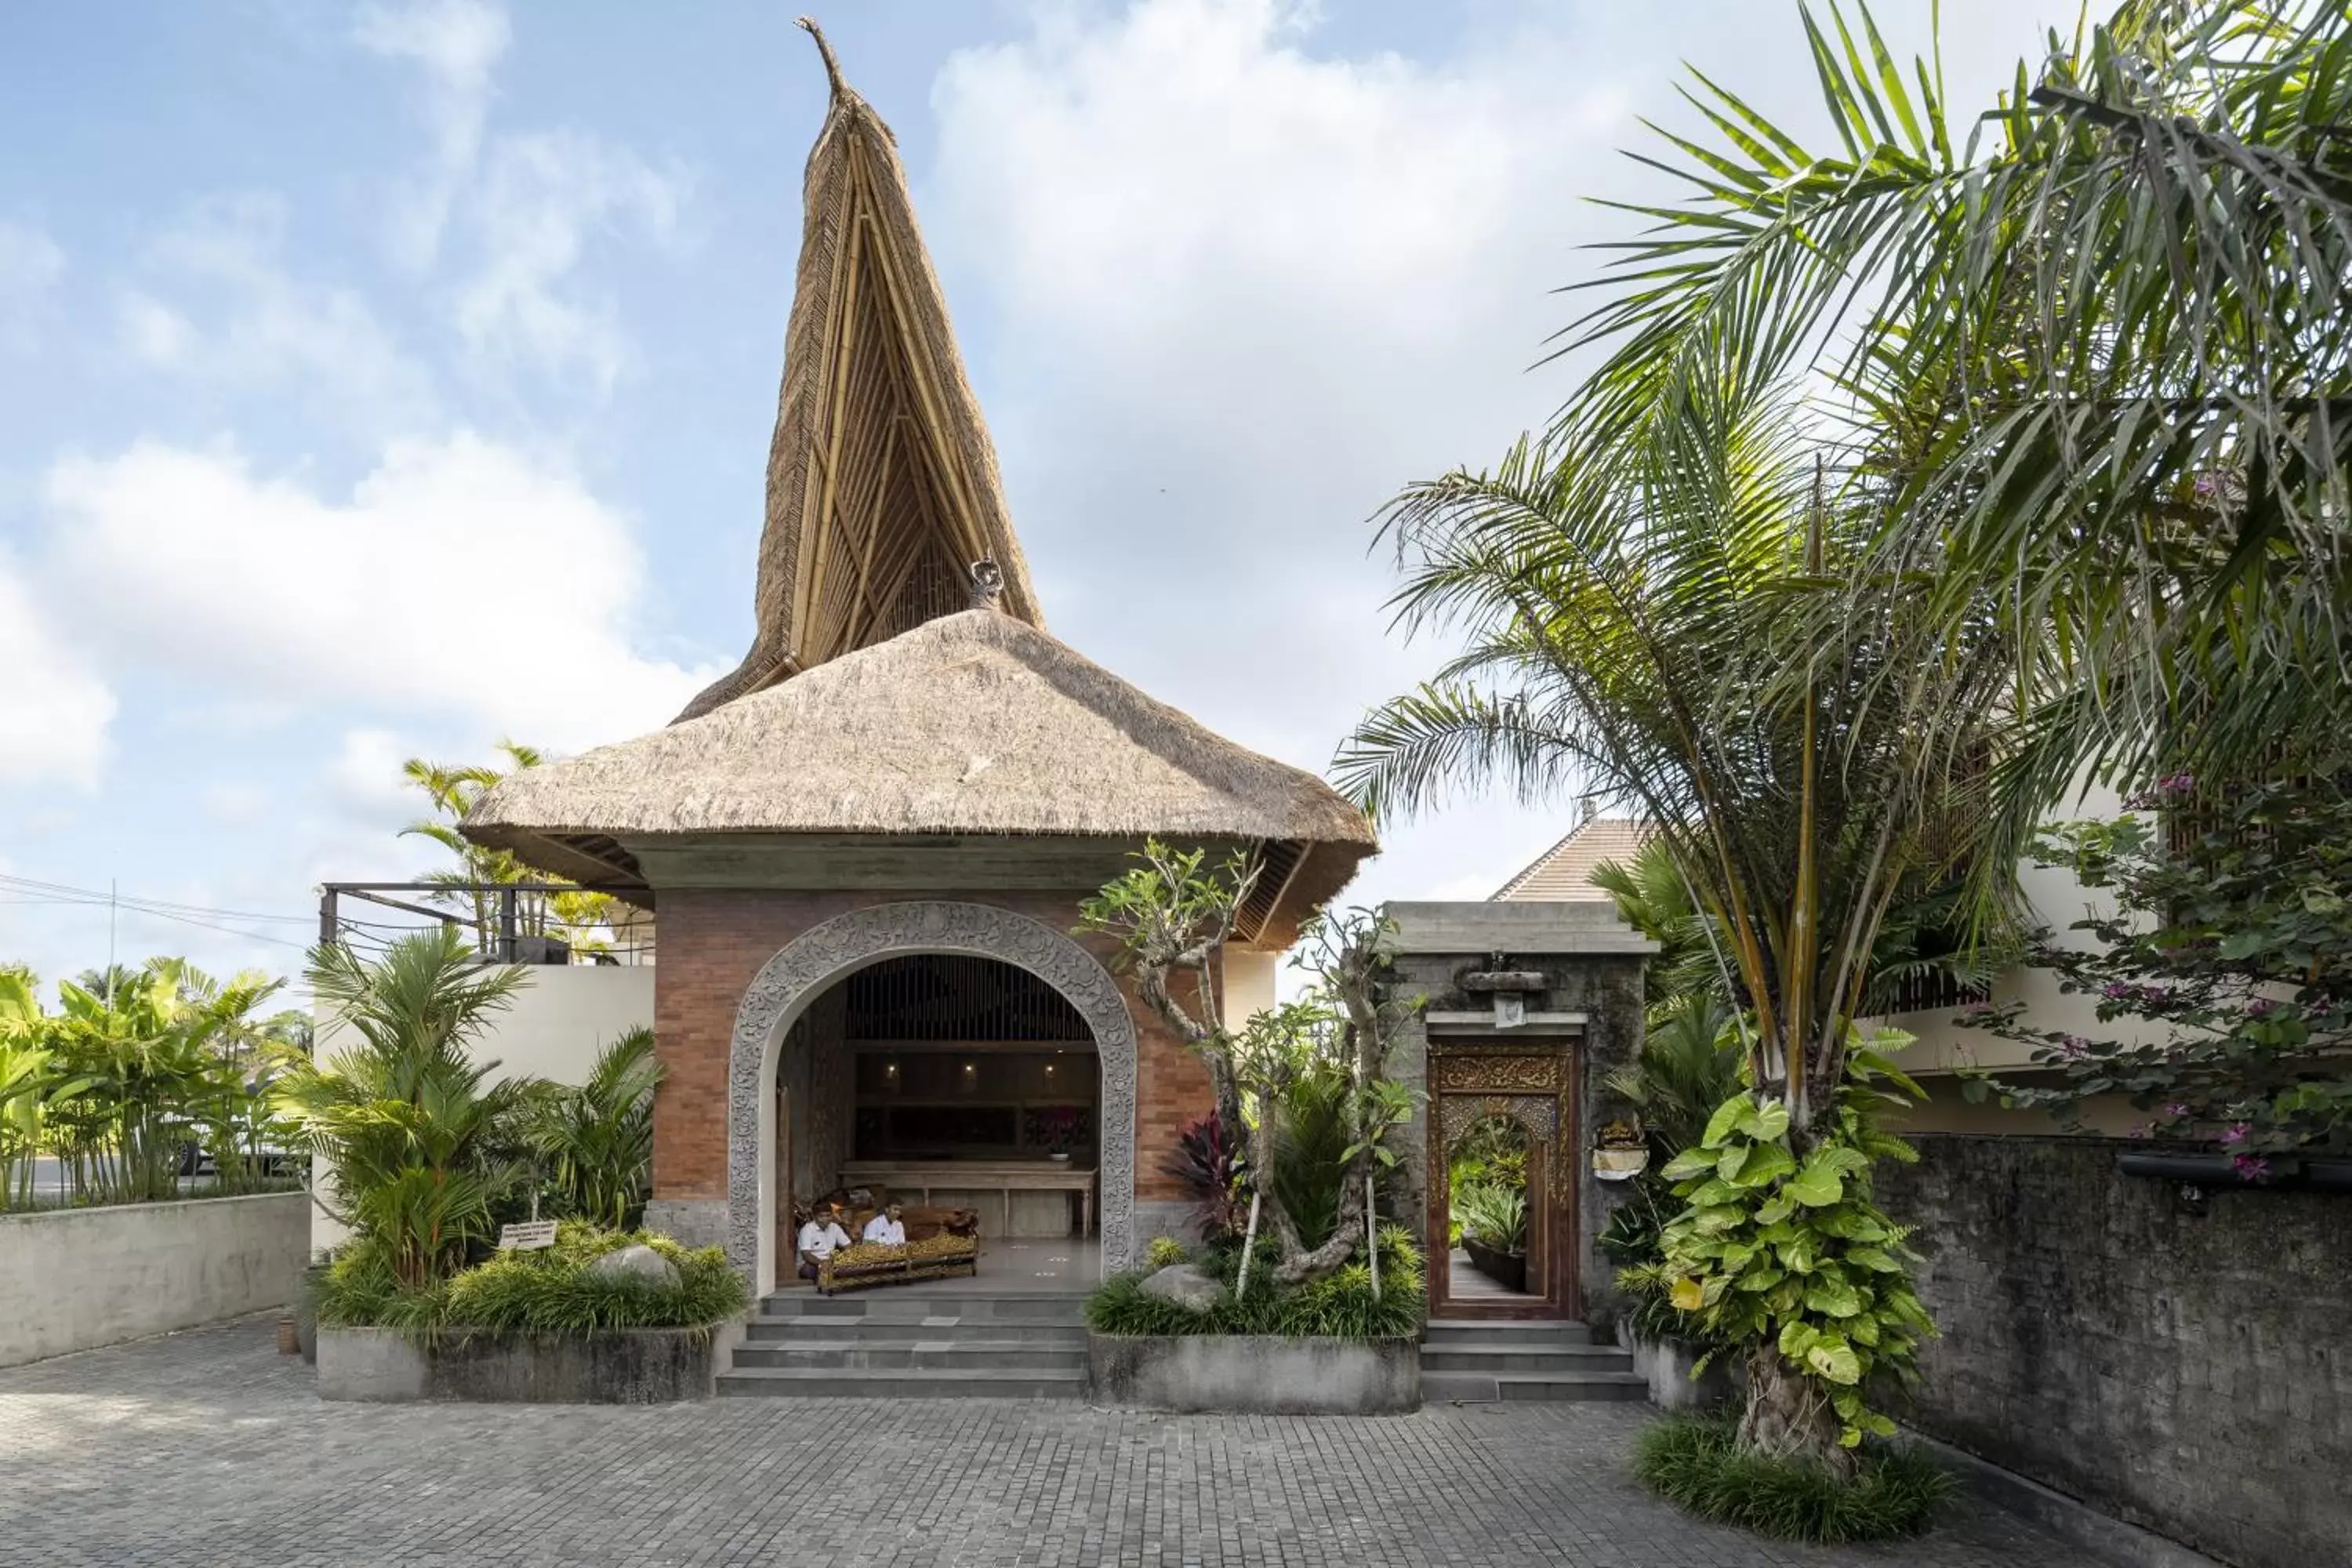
{"points": [[1027, 1198]]}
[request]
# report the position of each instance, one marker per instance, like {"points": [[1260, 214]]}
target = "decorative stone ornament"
{"points": [[1620, 1164]]}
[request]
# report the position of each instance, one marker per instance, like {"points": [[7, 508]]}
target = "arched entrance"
{"points": [[806, 967]]}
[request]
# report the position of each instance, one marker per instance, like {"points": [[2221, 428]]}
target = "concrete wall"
{"points": [[77, 1278], [2191, 1374], [1256, 1374]]}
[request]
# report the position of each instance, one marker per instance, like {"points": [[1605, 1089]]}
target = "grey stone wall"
{"points": [[2190, 1373]]}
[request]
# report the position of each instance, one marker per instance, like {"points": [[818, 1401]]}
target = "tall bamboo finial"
{"points": [[832, 66]]}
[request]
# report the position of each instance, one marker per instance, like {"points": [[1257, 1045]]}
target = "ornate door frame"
{"points": [[1533, 1082]]}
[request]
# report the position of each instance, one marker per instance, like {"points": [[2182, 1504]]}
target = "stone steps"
{"points": [[1524, 1360], [904, 1383], [972, 1344]]}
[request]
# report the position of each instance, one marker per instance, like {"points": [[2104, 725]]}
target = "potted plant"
{"points": [[1495, 1233], [1621, 1153]]}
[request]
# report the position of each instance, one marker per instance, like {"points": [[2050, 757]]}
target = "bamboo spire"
{"points": [[882, 482]]}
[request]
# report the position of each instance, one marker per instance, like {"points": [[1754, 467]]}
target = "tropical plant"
{"points": [[1342, 1304], [1651, 895], [1493, 1215], [2099, 339], [1207, 1164], [595, 1141], [1697, 1462], [1171, 917], [1689, 1063], [584, 919], [548, 1291], [1779, 1249], [2226, 951], [403, 1119]]}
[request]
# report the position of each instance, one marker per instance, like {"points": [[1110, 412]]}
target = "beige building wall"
{"points": [[1942, 1048], [1248, 984]]}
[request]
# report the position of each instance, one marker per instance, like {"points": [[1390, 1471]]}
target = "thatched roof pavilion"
{"points": [[973, 725]]}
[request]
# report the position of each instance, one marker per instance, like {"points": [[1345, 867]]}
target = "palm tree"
{"points": [[1631, 616], [2107, 334], [583, 917], [597, 1139], [406, 1123]]}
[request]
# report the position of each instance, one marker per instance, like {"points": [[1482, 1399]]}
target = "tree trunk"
{"points": [[1789, 1417]]}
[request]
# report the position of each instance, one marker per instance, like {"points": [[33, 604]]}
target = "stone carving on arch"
{"points": [[805, 967]]}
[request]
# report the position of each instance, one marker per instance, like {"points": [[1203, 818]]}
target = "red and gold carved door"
{"points": [[1503, 1122]]}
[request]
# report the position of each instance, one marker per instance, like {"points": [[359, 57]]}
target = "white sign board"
{"points": [[1510, 1009], [528, 1237]]}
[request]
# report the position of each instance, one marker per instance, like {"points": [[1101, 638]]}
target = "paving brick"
{"points": [[209, 1447]]}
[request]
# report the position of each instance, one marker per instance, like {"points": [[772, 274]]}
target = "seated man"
{"points": [[887, 1228], [819, 1237]]}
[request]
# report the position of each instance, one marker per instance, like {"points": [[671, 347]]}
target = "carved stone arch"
{"points": [[803, 968]]}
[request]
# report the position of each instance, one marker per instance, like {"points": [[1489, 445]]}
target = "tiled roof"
{"points": [[1565, 871]]}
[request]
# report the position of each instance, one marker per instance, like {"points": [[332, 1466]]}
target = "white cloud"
{"points": [[30, 266], [365, 776], [459, 578], [1244, 286], [54, 707], [456, 45], [524, 206], [540, 199], [243, 320]]}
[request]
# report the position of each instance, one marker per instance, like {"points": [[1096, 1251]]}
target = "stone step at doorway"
{"points": [[970, 1344], [1471, 1361]]}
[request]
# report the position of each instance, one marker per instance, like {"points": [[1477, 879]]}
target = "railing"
{"points": [[508, 922]]}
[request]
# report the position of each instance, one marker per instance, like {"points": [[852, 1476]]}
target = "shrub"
{"points": [[548, 1291], [1165, 1252], [1341, 1305], [1494, 1217], [1696, 1463]]}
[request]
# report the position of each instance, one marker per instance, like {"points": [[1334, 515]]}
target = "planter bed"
{"points": [[1261, 1375], [612, 1366]]}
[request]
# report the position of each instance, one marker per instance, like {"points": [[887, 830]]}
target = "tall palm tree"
{"points": [[2109, 329], [1630, 617]]}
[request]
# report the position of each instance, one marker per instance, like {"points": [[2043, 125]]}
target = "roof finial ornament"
{"points": [[832, 66], [987, 583]]}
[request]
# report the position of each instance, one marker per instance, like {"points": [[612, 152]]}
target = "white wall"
{"points": [[560, 1020], [77, 1278]]}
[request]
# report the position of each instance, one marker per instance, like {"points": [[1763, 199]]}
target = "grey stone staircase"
{"points": [[1497, 1359], [972, 1344]]}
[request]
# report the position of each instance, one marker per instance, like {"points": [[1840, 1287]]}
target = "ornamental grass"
{"points": [[1696, 1463]]}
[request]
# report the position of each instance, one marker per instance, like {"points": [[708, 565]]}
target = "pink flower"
{"points": [[2252, 1167], [2175, 1110], [2238, 1132], [2074, 1045]]}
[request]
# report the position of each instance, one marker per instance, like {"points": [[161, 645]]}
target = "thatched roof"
{"points": [[975, 724], [882, 482]]}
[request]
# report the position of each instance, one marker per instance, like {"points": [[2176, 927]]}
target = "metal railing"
{"points": [[508, 922]]}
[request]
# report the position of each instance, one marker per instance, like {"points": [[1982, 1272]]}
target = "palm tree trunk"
{"points": [[1788, 1415]]}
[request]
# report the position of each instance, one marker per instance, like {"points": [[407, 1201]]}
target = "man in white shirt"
{"points": [[886, 1229], [819, 1237]]}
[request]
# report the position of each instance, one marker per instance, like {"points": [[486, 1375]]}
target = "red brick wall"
{"points": [[713, 942]]}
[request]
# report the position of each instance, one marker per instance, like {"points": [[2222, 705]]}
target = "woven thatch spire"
{"points": [[882, 484]]}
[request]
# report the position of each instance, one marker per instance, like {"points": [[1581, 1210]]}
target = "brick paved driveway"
{"points": [[209, 1447]]}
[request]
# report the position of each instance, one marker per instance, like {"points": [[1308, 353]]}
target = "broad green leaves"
{"points": [[1779, 1242]]}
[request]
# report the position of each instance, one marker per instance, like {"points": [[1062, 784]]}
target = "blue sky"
{"points": [[384, 379]]}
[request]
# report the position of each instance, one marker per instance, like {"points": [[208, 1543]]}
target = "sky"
{"points": [[384, 380]]}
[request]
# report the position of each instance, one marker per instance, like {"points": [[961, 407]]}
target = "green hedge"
{"points": [[1341, 1305], [1694, 1462], [548, 1291]]}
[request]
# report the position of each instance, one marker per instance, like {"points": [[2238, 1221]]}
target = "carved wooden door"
{"points": [[1533, 1088]]}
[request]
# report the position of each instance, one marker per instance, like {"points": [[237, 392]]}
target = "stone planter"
{"points": [[619, 1366], [1667, 1366], [1259, 1374], [1509, 1270]]}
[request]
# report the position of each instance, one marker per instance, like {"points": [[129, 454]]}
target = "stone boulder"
{"points": [[1186, 1286], [640, 1263]]}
